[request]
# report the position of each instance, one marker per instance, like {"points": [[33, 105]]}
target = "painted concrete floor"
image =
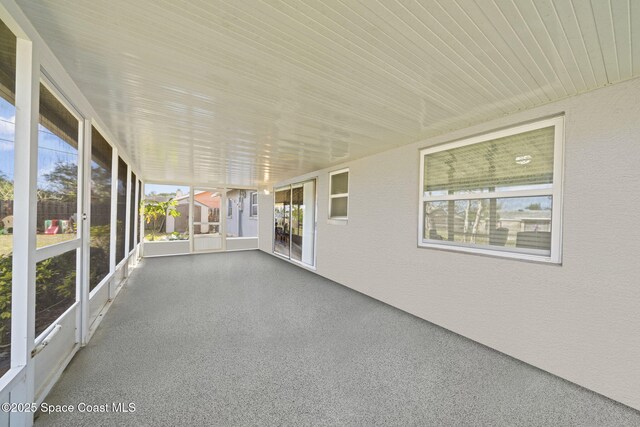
{"points": [[247, 339]]}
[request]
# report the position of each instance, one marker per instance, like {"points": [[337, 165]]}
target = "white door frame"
{"points": [[222, 219]]}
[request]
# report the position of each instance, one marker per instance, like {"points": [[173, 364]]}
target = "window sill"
{"points": [[336, 221], [146, 242], [520, 256]]}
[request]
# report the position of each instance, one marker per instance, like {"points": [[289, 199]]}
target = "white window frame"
{"points": [[555, 192], [251, 204], [337, 220]]}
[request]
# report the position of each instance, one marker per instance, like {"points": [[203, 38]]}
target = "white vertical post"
{"points": [[23, 301], [114, 221], [223, 218], [191, 213], [85, 220], [80, 226]]}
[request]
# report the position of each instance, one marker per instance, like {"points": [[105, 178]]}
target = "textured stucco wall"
{"points": [[580, 320]]}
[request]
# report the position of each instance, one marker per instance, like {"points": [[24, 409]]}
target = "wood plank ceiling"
{"points": [[251, 92]]}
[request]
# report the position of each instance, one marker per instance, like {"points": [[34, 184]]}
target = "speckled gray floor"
{"points": [[247, 339]]}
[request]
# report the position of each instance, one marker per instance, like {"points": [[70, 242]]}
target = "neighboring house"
{"points": [[242, 213], [206, 210]]}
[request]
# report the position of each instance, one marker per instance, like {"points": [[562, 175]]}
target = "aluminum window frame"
{"points": [[289, 187], [253, 194], [336, 220], [555, 192]]}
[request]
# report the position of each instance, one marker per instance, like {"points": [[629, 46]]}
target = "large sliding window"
{"points": [[121, 211], [100, 229], [495, 194], [57, 208], [7, 138], [295, 222]]}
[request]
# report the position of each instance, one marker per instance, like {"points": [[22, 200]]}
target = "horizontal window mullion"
{"points": [[492, 195], [333, 196], [57, 249]]}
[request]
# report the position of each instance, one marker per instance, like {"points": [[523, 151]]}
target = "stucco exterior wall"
{"points": [[579, 320]]}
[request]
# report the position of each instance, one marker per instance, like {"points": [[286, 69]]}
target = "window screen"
{"points": [[100, 227], [121, 213]]}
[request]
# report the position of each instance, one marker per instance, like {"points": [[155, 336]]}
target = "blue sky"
{"points": [[51, 149], [7, 117], [161, 188]]}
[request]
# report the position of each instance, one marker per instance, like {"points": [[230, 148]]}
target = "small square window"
{"points": [[254, 204], [339, 194]]}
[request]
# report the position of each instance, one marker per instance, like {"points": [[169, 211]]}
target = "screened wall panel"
{"points": [[7, 138], [243, 221], [55, 288], [132, 211], [166, 213], [57, 208], [137, 206], [207, 221], [121, 213], [100, 227]]}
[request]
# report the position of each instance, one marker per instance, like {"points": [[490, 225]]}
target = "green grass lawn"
{"points": [[6, 241]]}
